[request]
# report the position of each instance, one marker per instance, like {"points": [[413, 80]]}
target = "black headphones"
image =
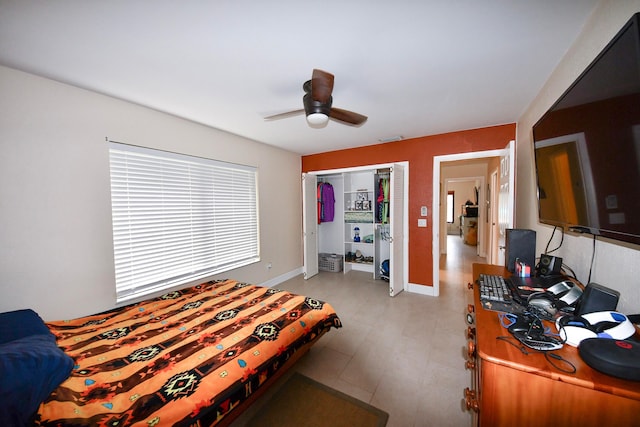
{"points": [[542, 304]]}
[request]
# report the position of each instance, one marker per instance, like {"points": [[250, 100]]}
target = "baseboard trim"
{"points": [[281, 278], [422, 289]]}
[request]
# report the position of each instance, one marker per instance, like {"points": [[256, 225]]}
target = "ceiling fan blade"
{"points": [[348, 117], [321, 86], [285, 115]]}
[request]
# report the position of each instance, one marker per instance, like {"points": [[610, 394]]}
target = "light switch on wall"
{"points": [[423, 211], [422, 222]]}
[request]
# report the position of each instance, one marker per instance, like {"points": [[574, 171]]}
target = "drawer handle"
{"points": [[470, 319], [471, 349], [470, 400], [470, 365], [471, 332]]}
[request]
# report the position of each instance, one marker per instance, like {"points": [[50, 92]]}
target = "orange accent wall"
{"points": [[419, 152]]}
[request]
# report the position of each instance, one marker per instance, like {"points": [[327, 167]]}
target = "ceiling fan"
{"points": [[317, 103]]}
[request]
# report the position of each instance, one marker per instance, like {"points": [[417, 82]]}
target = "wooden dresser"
{"points": [[510, 388]]}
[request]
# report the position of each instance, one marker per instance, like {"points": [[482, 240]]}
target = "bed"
{"points": [[193, 357]]}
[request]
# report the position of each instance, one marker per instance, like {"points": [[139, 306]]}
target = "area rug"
{"points": [[302, 401]]}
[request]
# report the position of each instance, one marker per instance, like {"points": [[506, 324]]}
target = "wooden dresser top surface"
{"points": [[489, 348]]}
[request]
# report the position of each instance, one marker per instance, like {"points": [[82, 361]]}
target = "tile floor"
{"points": [[404, 355]]}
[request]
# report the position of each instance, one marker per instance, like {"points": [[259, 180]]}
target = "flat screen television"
{"points": [[587, 146]]}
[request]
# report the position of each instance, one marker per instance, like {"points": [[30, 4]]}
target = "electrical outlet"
{"points": [[422, 222], [269, 265]]}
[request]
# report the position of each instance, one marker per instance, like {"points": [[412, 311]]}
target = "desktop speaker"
{"points": [[520, 244], [549, 265], [597, 298]]}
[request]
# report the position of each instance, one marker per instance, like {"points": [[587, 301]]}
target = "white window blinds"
{"points": [[178, 218]]}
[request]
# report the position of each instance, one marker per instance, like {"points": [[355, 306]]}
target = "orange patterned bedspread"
{"points": [[186, 358]]}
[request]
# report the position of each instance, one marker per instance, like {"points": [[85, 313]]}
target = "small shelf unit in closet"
{"points": [[365, 247]]}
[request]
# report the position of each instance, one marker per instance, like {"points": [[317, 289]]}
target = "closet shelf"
{"points": [[358, 217], [360, 262]]}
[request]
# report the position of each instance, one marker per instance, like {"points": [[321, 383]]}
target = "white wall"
{"points": [[464, 190], [615, 265], [56, 251]]}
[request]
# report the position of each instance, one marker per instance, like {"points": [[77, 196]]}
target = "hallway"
{"points": [[455, 265]]}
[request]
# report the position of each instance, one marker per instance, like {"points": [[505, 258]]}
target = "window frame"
{"points": [[178, 218]]}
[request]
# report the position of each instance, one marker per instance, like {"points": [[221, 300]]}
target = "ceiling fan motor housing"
{"points": [[312, 106]]}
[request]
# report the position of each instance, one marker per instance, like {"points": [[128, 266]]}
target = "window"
{"points": [[178, 218], [450, 205]]}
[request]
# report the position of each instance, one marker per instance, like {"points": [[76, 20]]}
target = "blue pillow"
{"points": [[30, 369], [31, 366], [21, 323]]}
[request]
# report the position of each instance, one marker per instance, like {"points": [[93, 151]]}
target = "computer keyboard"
{"points": [[494, 288]]}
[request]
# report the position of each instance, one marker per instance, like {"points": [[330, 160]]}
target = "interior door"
{"points": [[310, 225], [396, 222], [506, 198]]}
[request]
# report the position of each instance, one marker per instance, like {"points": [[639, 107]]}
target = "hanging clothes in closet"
{"points": [[383, 201], [326, 202]]}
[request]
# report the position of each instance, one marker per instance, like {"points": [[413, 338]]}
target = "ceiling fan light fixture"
{"points": [[317, 119]]}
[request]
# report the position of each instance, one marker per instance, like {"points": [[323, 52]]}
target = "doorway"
{"points": [[506, 198], [468, 194]]}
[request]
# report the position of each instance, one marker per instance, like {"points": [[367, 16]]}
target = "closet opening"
{"points": [[356, 220]]}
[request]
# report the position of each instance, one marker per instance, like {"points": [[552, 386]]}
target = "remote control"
{"points": [[539, 342]]}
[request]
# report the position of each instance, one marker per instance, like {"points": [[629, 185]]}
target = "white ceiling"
{"points": [[413, 67]]}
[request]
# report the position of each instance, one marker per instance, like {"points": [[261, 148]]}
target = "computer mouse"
{"points": [[520, 325], [543, 303], [526, 324]]}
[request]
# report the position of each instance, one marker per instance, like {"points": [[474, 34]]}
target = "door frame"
{"points": [[509, 150], [405, 207]]}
